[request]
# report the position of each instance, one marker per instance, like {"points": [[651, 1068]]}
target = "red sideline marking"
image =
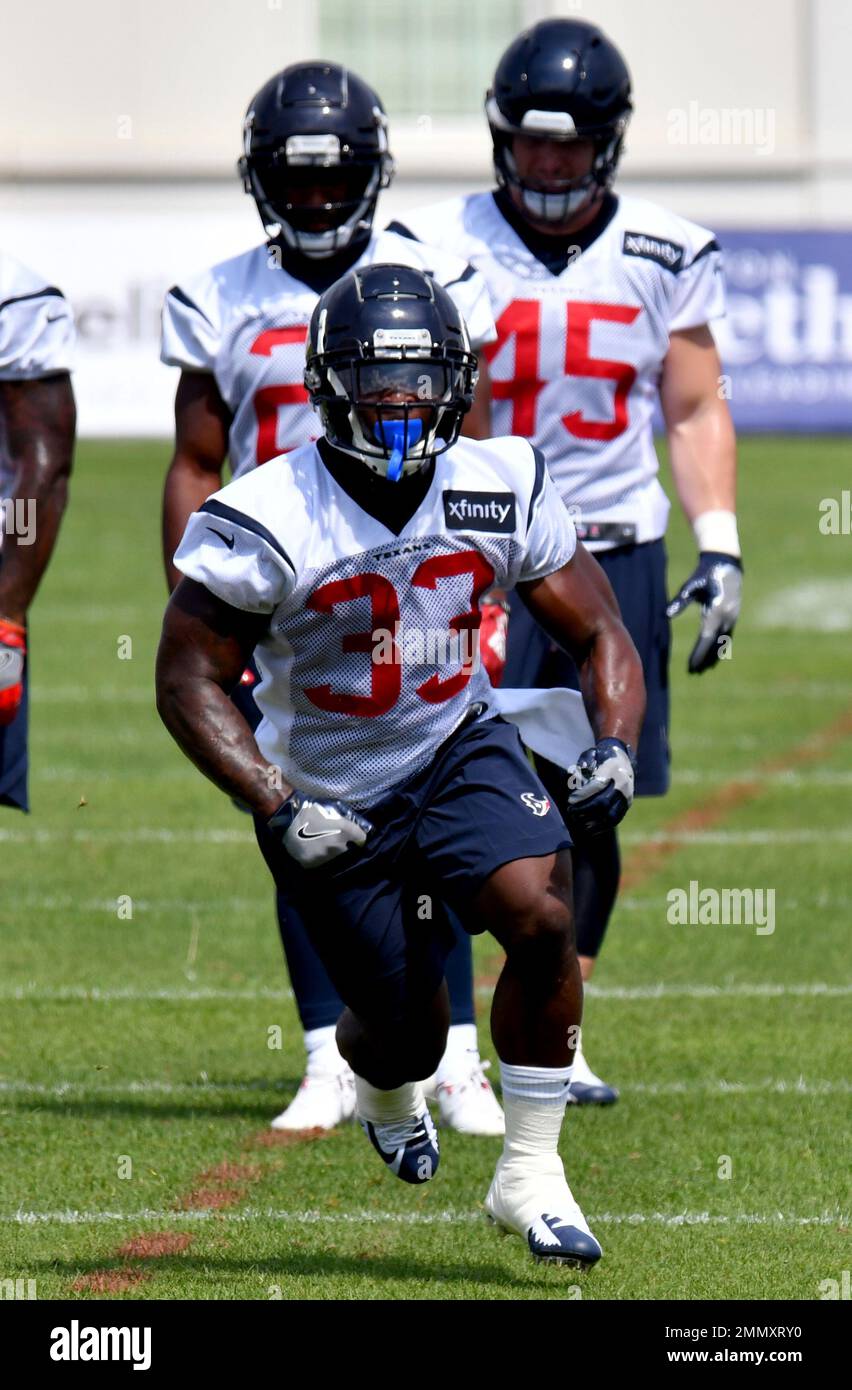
{"points": [[224, 1185], [646, 860], [642, 863]]}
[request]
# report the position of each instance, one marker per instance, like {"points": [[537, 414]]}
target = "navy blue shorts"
{"points": [[375, 914], [13, 757], [637, 574]]}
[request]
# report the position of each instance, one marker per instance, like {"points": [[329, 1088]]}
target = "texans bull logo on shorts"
{"points": [[539, 805]]}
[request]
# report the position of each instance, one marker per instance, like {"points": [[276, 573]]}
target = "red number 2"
{"points": [[269, 398], [386, 676]]}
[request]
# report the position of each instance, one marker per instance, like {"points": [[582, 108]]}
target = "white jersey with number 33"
{"points": [[360, 682], [577, 361]]}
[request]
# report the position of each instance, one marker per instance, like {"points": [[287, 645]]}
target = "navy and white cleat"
{"points": [[554, 1241], [587, 1088], [409, 1147], [598, 1094], [530, 1198]]}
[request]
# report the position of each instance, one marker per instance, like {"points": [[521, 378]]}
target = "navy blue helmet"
{"points": [[389, 367], [560, 80], [315, 157]]}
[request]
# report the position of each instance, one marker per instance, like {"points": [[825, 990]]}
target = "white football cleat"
{"points": [[529, 1197], [323, 1100], [466, 1102]]}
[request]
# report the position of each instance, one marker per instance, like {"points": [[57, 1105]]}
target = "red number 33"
{"points": [[386, 677]]}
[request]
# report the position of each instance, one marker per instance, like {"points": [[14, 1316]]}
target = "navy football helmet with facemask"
{"points": [[390, 368], [560, 80], [318, 130]]}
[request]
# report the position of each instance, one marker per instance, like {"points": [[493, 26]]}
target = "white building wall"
{"points": [[122, 125]]}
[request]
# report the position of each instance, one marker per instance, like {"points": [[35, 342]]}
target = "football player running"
{"points": [[315, 159], [402, 787], [37, 425], [602, 305]]}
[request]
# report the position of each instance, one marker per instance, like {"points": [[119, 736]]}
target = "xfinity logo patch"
{"points": [[480, 511], [652, 248]]}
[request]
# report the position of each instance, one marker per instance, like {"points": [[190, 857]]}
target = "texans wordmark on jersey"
{"points": [[576, 364], [343, 717], [246, 321]]}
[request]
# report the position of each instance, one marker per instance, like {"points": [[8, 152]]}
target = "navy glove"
{"points": [[315, 832], [715, 583], [601, 786]]}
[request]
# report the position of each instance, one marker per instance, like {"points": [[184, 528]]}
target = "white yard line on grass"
{"points": [[682, 777], [178, 994], [150, 834], [71, 1217], [145, 834], [181, 994], [714, 1087], [814, 777], [55, 902]]}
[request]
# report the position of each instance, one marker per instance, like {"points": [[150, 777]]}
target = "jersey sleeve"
{"points": [[36, 335], [462, 281], [551, 538], [470, 295], [236, 558], [191, 331], [700, 290]]}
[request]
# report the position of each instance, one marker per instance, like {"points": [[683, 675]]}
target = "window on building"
{"points": [[424, 57]]}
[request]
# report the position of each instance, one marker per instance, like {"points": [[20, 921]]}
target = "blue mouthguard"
{"points": [[401, 435]]}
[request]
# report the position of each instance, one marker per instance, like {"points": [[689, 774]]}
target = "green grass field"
{"points": [[136, 1079]]}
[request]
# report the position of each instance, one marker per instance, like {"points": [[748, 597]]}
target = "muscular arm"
{"points": [[577, 607], [202, 421], [702, 444], [204, 648], [477, 422], [37, 426]]}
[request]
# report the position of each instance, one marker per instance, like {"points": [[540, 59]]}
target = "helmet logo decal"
{"points": [[402, 338], [556, 123], [309, 149]]}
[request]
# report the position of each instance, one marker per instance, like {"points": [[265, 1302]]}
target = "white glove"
{"points": [[315, 832]]}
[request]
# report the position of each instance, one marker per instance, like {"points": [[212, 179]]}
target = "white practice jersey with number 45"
{"points": [[577, 361], [246, 321], [371, 656], [36, 333]]}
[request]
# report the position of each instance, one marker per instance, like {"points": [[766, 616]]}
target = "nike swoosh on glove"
{"points": [[716, 583], [13, 650], [601, 786], [315, 832]]}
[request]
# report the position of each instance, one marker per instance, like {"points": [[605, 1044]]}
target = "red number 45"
{"points": [[521, 320]]}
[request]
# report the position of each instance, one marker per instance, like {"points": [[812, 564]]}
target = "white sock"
{"points": [[462, 1049], [387, 1107], [534, 1099], [323, 1056]]}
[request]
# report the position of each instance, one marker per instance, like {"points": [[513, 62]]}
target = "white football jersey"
{"points": [[578, 356], [246, 321], [371, 657], [36, 333]]}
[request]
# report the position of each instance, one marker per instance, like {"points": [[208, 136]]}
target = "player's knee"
{"points": [[543, 932]]}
